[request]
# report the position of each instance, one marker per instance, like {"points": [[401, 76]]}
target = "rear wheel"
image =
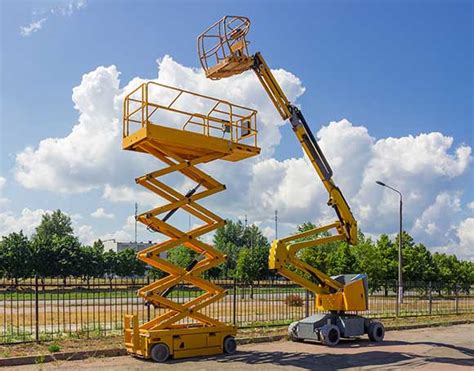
{"points": [[160, 352], [330, 335], [230, 345], [376, 331]]}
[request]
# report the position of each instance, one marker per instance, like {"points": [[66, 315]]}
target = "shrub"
{"points": [[294, 300], [53, 348]]}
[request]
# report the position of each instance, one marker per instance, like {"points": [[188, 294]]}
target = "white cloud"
{"points": [[425, 167], [100, 213], [27, 221], [465, 234], [470, 205], [66, 8], [33, 27], [437, 224], [130, 195], [3, 182]]}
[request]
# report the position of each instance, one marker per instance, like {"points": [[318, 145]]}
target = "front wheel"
{"points": [[230, 345], [376, 331], [330, 335], [160, 352]]}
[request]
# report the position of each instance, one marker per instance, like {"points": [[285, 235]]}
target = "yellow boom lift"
{"points": [[183, 130], [223, 52]]}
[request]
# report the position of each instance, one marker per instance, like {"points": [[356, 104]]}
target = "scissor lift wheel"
{"points": [[160, 352]]}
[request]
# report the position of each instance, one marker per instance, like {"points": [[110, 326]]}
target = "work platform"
{"points": [[161, 116], [183, 129]]}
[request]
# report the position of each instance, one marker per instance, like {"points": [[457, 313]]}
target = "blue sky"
{"points": [[395, 68]]}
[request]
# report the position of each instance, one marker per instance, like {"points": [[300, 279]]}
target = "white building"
{"points": [[119, 246]]}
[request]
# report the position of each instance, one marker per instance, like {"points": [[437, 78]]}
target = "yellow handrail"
{"points": [[223, 114]]}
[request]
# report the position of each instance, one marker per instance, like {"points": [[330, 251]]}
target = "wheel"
{"points": [[160, 352], [376, 331], [230, 345], [330, 335], [292, 332]]}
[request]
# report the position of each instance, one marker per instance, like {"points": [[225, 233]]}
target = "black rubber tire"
{"points": [[376, 331], [160, 352], [230, 345], [330, 335]]}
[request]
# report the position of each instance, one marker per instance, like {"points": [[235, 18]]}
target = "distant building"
{"points": [[119, 246]]}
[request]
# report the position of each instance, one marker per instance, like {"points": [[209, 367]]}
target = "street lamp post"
{"points": [[400, 276]]}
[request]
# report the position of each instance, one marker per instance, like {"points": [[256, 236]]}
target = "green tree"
{"points": [[231, 238], [181, 256], [342, 260], [67, 253], [418, 264], [127, 264], [252, 264], [388, 263], [316, 256], [92, 260], [15, 256], [55, 226], [110, 265], [368, 257], [446, 266]]}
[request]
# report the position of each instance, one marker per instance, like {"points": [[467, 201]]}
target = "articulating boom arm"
{"points": [[223, 52], [284, 251]]}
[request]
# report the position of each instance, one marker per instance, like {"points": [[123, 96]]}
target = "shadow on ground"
{"points": [[368, 358]]}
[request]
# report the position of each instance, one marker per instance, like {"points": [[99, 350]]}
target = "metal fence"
{"points": [[37, 310]]}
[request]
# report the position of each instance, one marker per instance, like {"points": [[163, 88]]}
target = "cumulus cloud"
{"points": [[100, 213], [91, 154], [27, 221], [437, 223], [427, 168]]}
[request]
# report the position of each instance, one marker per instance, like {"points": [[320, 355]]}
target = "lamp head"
{"points": [[380, 183]]}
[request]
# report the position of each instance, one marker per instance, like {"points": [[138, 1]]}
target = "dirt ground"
{"points": [[438, 348]]}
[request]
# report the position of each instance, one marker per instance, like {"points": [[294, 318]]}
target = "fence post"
{"points": [[307, 303], [456, 293], [397, 306], [148, 306], [234, 303], [36, 310], [430, 298]]}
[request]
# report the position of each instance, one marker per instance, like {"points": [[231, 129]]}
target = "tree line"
{"points": [[54, 251]]}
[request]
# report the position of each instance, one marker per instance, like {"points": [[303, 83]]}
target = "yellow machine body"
{"points": [[182, 130]]}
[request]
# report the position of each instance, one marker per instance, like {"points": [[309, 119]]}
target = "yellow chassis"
{"points": [[182, 341]]}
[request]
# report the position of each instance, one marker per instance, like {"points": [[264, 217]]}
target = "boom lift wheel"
{"points": [[230, 345], [160, 352], [330, 335], [376, 331]]}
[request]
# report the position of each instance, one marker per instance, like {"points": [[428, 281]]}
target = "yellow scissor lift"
{"points": [[183, 130]]}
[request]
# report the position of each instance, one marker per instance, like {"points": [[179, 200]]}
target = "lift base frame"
{"points": [[182, 340]]}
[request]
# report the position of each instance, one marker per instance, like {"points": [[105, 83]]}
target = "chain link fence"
{"points": [[45, 309]]}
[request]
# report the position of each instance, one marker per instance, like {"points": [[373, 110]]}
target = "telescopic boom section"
{"points": [[223, 52]]}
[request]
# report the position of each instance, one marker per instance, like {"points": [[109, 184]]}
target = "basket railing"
{"points": [[159, 104]]}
